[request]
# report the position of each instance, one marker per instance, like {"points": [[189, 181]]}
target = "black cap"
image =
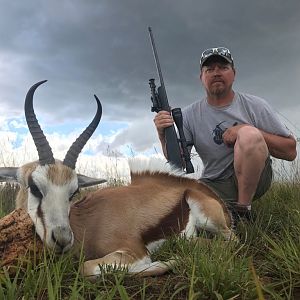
{"points": [[217, 51]]}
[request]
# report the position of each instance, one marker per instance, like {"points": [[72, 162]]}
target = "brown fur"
{"points": [[172, 223], [152, 207], [165, 179], [59, 174], [21, 198], [26, 171]]}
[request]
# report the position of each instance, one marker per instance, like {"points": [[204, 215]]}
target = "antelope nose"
{"points": [[63, 238]]}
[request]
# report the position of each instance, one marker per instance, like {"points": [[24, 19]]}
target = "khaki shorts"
{"points": [[227, 189]]}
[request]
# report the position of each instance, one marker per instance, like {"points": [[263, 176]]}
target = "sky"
{"points": [[102, 47]]}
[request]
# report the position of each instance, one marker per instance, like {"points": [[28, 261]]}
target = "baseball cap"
{"points": [[217, 51]]}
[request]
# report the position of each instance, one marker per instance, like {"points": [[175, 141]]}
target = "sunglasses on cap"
{"points": [[219, 51]]}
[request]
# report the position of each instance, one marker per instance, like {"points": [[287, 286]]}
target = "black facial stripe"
{"points": [[34, 189], [76, 192], [40, 215]]}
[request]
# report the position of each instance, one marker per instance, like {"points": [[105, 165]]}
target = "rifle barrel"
{"points": [[160, 102], [156, 59]]}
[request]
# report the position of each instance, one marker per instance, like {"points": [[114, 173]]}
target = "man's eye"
{"points": [[35, 191], [225, 67]]}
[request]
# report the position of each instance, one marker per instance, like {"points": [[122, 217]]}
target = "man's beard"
{"points": [[219, 90]]}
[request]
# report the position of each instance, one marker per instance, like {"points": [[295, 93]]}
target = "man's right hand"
{"points": [[162, 120]]}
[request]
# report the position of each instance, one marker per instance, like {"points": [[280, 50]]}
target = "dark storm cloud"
{"points": [[102, 47]]}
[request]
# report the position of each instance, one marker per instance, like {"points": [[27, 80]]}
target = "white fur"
{"points": [[151, 247], [153, 165], [144, 264], [190, 229], [55, 207], [201, 220]]}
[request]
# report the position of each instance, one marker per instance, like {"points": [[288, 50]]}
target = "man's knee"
{"points": [[249, 134], [250, 138]]}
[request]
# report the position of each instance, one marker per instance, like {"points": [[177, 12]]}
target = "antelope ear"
{"points": [[8, 174], [85, 181]]}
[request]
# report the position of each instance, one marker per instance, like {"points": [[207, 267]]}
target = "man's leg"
{"points": [[250, 154]]}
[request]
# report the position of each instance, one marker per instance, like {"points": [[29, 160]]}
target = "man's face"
{"points": [[217, 77]]}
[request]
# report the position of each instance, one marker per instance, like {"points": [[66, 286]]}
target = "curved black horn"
{"points": [[43, 148], [77, 146]]}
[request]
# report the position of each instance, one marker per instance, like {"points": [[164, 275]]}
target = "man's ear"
{"points": [[234, 71]]}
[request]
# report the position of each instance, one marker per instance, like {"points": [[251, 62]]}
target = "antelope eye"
{"points": [[74, 194], [35, 191]]}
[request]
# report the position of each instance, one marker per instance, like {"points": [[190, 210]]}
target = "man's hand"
{"points": [[230, 135], [162, 120]]}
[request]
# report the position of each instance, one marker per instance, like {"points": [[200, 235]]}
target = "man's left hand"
{"points": [[230, 135]]}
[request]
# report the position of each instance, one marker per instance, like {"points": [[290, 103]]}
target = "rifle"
{"points": [[177, 150]]}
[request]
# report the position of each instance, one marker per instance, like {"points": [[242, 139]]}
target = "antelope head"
{"points": [[48, 185]]}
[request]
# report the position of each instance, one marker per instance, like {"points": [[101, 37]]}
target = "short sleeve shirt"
{"points": [[204, 126]]}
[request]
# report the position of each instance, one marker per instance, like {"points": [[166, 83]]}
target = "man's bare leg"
{"points": [[250, 154]]}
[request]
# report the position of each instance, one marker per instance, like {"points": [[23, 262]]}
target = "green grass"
{"points": [[264, 265], [8, 194]]}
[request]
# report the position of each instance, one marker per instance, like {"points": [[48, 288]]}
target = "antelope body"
{"points": [[123, 225], [116, 225]]}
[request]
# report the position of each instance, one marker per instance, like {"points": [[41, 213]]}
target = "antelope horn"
{"points": [[43, 148], [77, 146]]}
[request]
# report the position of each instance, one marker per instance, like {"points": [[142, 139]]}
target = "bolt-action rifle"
{"points": [[177, 149]]}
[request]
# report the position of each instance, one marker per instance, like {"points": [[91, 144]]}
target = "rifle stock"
{"points": [[172, 146]]}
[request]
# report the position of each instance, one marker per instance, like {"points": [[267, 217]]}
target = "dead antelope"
{"points": [[123, 225], [114, 225]]}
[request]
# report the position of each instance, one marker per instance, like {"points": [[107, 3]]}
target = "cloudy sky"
{"points": [[102, 47]]}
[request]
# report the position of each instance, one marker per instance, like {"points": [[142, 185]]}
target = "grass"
{"points": [[264, 265], [8, 194]]}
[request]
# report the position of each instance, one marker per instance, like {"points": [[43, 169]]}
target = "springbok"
{"points": [[113, 225]]}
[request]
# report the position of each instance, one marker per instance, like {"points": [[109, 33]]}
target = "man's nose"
{"points": [[216, 70]]}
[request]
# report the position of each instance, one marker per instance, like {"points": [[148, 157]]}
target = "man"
{"points": [[234, 134]]}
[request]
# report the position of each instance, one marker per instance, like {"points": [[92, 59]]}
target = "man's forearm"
{"points": [[163, 144], [281, 147]]}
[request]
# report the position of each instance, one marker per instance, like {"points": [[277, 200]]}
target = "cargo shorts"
{"points": [[227, 189]]}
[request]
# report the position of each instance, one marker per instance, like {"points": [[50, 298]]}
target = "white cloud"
{"points": [[140, 134], [18, 124]]}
